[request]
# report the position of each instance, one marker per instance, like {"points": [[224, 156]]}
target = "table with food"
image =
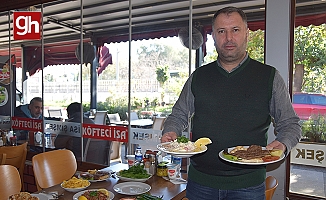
{"points": [[130, 182], [137, 181]]}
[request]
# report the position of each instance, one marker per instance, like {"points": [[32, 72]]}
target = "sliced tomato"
{"points": [[270, 158]]}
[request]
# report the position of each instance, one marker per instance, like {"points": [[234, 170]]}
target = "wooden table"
{"points": [[159, 186]]}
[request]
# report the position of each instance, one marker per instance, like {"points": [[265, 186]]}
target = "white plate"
{"points": [[132, 188], [132, 179], [92, 181], [42, 196], [75, 197], [247, 163], [180, 154]]}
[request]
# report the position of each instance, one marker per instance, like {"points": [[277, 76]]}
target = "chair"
{"points": [[15, 156], [52, 167], [158, 123], [97, 151], [271, 185], [3, 158], [11, 183], [55, 113], [133, 116], [114, 118], [100, 117], [115, 152]]}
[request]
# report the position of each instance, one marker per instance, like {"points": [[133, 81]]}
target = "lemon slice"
{"points": [[202, 142], [104, 191], [276, 152], [82, 197]]}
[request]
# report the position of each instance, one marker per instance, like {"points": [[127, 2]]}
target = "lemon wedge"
{"points": [[202, 142], [104, 191], [276, 152], [82, 197]]}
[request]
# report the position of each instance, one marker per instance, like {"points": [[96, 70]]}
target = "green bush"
{"points": [[314, 129], [120, 106]]}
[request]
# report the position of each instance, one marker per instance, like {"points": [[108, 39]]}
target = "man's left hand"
{"points": [[276, 145]]}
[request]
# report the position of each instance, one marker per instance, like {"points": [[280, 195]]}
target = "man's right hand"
{"points": [[168, 137]]}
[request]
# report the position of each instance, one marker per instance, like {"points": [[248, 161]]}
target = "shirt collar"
{"points": [[244, 59]]}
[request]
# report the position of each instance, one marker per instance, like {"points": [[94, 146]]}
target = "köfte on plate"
{"points": [[102, 193], [251, 155], [95, 175]]}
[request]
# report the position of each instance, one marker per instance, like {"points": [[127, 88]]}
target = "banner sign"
{"points": [[62, 128], [145, 136], [103, 132], [21, 123], [26, 25], [309, 154], [96, 131]]}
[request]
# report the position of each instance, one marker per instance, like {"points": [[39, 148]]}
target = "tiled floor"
{"points": [[308, 180]]}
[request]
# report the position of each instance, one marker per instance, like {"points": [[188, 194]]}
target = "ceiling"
{"points": [[108, 20]]}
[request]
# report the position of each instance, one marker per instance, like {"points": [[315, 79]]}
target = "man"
{"points": [[32, 110], [233, 100], [73, 111], [68, 141], [95, 151]]}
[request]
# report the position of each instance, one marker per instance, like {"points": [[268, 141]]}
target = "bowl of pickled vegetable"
{"points": [[134, 173]]}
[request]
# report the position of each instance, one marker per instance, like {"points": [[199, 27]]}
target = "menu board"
{"points": [[7, 75]]}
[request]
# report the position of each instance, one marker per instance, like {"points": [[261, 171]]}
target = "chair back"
{"points": [[133, 116], [115, 152], [3, 158], [11, 183], [158, 123], [114, 118], [97, 151], [15, 156], [53, 167], [55, 113], [100, 117], [271, 184]]}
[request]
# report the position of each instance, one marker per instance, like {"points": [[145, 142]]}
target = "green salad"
{"points": [[135, 172], [148, 196], [182, 139]]}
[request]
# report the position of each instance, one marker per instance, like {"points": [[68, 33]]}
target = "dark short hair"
{"points": [[39, 99], [73, 108], [229, 10]]}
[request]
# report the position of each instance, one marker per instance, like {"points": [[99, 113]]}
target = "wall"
{"points": [[277, 48]]}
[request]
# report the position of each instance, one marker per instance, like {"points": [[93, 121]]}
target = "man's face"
{"points": [[230, 37], [35, 109]]}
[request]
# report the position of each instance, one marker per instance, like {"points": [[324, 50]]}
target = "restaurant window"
{"points": [[309, 88]]}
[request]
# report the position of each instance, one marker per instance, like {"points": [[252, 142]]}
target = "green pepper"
{"points": [[230, 157]]}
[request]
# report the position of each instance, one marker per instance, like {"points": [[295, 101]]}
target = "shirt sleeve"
{"points": [[184, 107], [286, 122]]}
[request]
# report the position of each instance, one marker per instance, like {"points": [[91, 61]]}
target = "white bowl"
{"points": [[76, 189]]}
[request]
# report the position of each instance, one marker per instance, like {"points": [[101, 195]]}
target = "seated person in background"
{"points": [[97, 151], [67, 141], [32, 110], [74, 114]]}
